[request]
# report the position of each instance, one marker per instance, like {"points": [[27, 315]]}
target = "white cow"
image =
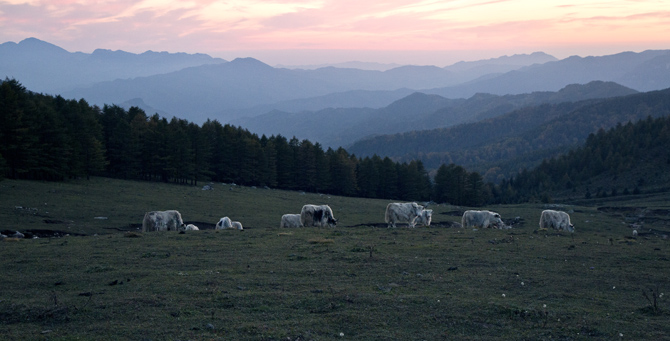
{"points": [[317, 215], [402, 212], [237, 225], [482, 219], [224, 223], [290, 220], [557, 219], [162, 221], [189, 227], [424, 218]]}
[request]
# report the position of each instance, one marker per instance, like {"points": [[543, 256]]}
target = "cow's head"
{"points": [[571, 228], [417, 209], [427, 216], [497, 222]]}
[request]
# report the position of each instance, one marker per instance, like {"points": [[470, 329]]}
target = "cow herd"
{"points": [[557, 220], [171, 221], [410, 213]]}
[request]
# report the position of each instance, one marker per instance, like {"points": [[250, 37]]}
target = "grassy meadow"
{"points": [[359, 281]]}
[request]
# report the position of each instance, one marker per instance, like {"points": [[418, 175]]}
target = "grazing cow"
{"points": [[237, 225], [482, 219], [189, 227], [557, 219], [424, 218], [402, 212], [290, 220], [224, 223], [319, 216], [162, 221]]}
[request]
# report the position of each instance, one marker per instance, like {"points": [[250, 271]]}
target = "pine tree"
{"points": [[116, 132], [17, 143]]}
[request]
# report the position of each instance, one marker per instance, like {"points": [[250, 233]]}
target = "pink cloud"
{"points": [[215, 26]]}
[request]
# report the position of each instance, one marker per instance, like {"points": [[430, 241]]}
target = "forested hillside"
{"points": [[610, 163], [498, 146], [50, 138]]}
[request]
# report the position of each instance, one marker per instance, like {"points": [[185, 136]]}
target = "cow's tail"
{"points": [[145, 222], [387, 215]]}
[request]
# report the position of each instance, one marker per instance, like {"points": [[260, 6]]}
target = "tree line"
{"points": [[44, 137]]}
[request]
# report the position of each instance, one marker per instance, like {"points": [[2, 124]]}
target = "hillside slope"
{"points": [[522, 137], [336, 127], [626, 159]]}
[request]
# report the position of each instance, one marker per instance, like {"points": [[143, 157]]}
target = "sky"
{"points": [[308, 32]]}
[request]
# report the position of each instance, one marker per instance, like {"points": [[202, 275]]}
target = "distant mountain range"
{"points": [[334, 127], [237, 88], [197, 87], [644, 71], [47, 68], [346, 103]]}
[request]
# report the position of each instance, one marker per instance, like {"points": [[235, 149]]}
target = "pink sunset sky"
{"points": [[330, 31]]}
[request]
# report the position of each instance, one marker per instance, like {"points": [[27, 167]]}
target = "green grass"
{"points": [[315, 283]]}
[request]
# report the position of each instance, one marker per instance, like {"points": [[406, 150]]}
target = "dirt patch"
{"points": [[54, 221], [380, 225], [41, 233], [446, 224]]}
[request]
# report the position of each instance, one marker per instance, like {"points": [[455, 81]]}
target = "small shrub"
{"points": [[653, 296]]}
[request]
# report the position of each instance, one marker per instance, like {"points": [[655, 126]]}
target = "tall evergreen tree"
{"points": [[17, 145], [116, 132], [388, 178]]}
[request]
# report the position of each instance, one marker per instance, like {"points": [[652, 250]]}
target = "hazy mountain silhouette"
{"points": [[623, 68], [198, 87], [44, 67], [336, 127], [169, 82], [240, 88], [345, 65], [348, 99]]}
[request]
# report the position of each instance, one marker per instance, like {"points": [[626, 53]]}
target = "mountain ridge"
{"points": [[521, 138], [45, 67], [415, 112]]}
